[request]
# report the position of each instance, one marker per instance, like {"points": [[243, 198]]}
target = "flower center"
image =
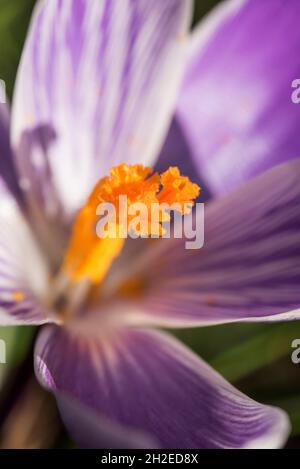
{"points": [[89, 256]]}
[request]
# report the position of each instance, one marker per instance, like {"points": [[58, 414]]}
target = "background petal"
{"points": [[96, 87], [23, 271], [148, 381], [176, 152], [7, 168], [248, 269], [235, 105]]}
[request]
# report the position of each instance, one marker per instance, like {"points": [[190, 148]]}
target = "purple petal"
{"points": [[96, 87], [236, 101], [249, 267], [91, 431], [146, 380], [176, 152], [7, 169], [23, 272]]}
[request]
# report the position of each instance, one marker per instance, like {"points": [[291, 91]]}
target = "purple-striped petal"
{"points": [[236, 101], [90, 430], [7, 169], [249, 267], [147, 381], [96, 87], [23, 272]]}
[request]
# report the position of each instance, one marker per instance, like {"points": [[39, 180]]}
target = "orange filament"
{"points": [[89, 256]]}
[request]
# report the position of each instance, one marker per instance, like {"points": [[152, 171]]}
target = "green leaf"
{"points": [[18, 340], [202, 7], [292, 406], [257, 352], [14, 19]]}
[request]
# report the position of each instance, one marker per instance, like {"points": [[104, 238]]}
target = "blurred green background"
{"points": [[255, 357]]}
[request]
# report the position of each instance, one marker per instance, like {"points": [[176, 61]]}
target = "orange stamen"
{"points": [[90, 257]]}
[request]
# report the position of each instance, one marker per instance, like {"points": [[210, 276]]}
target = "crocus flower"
{"points": [[98, 84]]}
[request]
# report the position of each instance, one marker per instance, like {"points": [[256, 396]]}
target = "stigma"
{"points": [[127, 188]]}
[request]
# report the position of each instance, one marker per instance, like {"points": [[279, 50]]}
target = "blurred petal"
{"points": [[148, 381], [249, 267], [235, 105], [97, 86], [7, 169], [90, 430], [23, 272], [176, 152]]}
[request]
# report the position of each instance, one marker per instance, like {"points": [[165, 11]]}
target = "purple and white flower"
{"points": [[99, 83]]}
